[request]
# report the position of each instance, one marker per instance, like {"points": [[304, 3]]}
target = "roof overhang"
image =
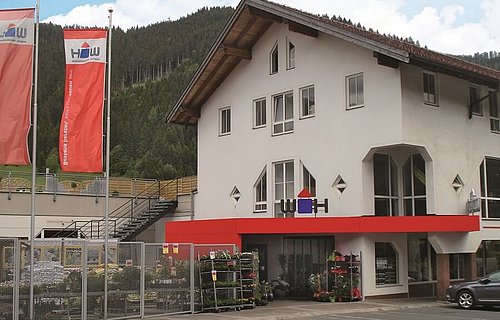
{"points": [[252, 18]]}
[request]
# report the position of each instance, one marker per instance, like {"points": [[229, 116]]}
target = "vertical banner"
{"points": [[16, 77], [81, 130]]}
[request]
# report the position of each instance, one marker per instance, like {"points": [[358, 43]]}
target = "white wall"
{"points": [[456, 144], [331, 143], [50, 213]]}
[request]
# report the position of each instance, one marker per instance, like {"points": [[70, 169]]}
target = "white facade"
{"points": [[336, 141], [393, 119]]}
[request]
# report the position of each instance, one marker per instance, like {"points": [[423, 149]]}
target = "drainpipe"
{"points": [[9, 197], [193, 191], [54, 187]]}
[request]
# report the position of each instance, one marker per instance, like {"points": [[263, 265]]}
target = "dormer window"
{"points": [[290, 61], [274, 59]]}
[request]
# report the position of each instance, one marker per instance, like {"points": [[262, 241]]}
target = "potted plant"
{"points": [[335, 256]]}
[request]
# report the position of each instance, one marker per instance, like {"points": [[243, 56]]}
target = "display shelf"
{"points": [[344, 278], [215, 276], [249, 267]]}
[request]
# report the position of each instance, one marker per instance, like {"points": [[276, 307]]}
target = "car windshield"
{"points": [[494, 277]]}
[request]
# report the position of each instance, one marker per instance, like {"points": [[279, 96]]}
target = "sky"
{"points": [[450, 26]]}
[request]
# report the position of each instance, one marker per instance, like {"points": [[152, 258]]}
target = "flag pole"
{"points": [[108, 126], [33, 163]]}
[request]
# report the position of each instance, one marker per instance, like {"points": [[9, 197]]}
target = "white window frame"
{"points": [[260, 194], [477, 109], [494, 111], [485, 214], [358, 97], [393, 211], [430, 99], [307, 111], [225, 121], [290, 55], [285, 121], [287, 187], [412, 195], [259, 109], [308, 180], [274, 55]]}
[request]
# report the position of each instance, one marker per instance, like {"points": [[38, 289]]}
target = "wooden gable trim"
{"points": [[297, 17], [191, 113], [386, 61], [302, 29], [243, 53], [265, 14]]}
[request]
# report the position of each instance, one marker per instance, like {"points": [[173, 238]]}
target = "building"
{"points": [[395, 138]]}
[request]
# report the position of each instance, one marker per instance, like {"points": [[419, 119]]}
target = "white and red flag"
{"points": [[16, 77], [81, 130]]}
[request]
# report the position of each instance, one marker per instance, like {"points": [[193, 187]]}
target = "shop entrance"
{"points": [[304, 256], [262, 250]]}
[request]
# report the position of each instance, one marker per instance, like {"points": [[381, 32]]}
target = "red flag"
{"points": [[16, 77], [81, 131]]}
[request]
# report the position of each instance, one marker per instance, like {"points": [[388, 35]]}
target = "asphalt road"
{"points": [[441, 312]]}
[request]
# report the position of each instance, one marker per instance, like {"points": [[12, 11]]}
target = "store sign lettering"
{"points": [[304, 204]]}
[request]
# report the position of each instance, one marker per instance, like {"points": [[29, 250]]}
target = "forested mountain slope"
{"points": [[151, 67]]}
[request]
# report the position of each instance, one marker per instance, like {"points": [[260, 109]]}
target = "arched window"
{"points": [[385, 178], [414, 186], [260, 188]]}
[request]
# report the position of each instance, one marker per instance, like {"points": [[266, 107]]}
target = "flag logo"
{"points": [[16, 78], [13, 32], [85, 52]]}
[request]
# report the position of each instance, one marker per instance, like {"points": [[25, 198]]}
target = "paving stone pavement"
{"points": [[290, 309]]}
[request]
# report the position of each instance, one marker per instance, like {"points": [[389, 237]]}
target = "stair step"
{"points": [[130, 228]]}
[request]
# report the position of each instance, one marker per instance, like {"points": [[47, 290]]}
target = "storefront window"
{"points": [[457, 266], [421, 259], [386, 264], [488, 257]]}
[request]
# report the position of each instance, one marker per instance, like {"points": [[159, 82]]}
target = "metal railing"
{"points": [[91, 185], [140, 205]]}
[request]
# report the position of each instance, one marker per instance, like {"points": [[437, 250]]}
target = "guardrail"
{"points": [[92, 185]]}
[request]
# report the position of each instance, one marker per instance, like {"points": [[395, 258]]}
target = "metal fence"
{"points": [[68, 279]]}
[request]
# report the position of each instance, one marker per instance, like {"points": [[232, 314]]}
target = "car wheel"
{"points": [[466, 300]]}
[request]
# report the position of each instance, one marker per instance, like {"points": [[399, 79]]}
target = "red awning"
{"points": [[231, 230]]}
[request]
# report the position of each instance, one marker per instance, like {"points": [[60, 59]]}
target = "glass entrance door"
{"points": [[305, 256]]}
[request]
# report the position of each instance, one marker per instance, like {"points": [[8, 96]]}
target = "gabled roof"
{"points": [[252, 18]]}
